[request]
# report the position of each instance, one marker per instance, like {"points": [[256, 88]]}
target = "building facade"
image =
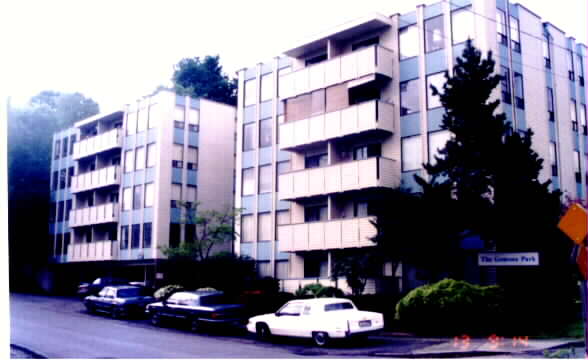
{"points": [[120, 182], [349, 112]]}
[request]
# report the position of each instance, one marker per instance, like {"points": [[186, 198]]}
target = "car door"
{"points": [[104, 299], [287, 320]]}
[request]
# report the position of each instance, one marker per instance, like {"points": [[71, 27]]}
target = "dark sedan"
{"points": [[93, 288], [197, 309], [119, 301]]}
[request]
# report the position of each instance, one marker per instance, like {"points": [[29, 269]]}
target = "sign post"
{"points": [[574, 224]]}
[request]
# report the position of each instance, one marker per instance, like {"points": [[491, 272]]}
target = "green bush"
{"points": [[166, 291], [318, 290], [330, 291], [451, 307]]}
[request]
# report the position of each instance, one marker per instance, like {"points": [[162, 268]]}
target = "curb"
{"points": [[445, 355], [31, 353]]}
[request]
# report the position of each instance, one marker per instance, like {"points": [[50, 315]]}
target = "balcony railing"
{"points": [[94, 251], [334, 234], [100, 214], [369, 115], [347, 176], [367, 61], [96, 179], [109, 140]]}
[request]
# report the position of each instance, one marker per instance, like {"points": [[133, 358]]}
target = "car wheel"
{"points": [[155, 319], [90, 309], [320, 338], [262, 331], [117, 313], [195, 325]]}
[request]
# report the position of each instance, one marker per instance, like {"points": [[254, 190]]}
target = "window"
{"points": [[550, 105], [60, 211], [315, 213], [55, 180], [315, 265], [57, 149], [248, 134], [71, 143], [140, 158], [64, 147], [178, 164], [179, 114], [315, 59], [151, 155], [149, 194], [249, 94], [338, 306], [68, 205], [360, 209], [190, 233], [191, 166], [248, 182], [143, 119], [138, 197], [365, 43], [129, 165], [135, 238], [62, 178], [573, 115], [412, 156], [131, 123], [265, 133], [577, 166], [52, 213], [436, 80], [519, 92], [580, 70], [179, 124], [553, 158], [505, 81], [267, 87], [127, 198], [409, 42], [282, 168], [501, 27], [409, 97], [70, 175], [437, 141], [124, 237], [571, 74], [66, 241], [247, 229], [434, 36], [317, 100], [366, 151], [193, 117], [337, 98], [174, 235], [264, 225], [193, 128], [583, 118], [462, 25], [315, 161], [265, 179], [546, 53], [514, 34]]}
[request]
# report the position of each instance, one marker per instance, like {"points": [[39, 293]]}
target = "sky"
{"points": [[117, 51]]}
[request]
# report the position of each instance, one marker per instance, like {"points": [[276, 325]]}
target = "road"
{"points": [[60, 328]]}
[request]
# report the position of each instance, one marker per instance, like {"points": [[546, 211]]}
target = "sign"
{"points": [[575, 223], [508, 259]]}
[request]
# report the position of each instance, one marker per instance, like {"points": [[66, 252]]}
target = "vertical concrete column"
{"points": [[238, 160], [422, 85]]}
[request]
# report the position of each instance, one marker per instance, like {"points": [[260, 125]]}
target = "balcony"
{"points": [[334, 234], [368, 63], [94, 251], [96, 179], [111, 139], [347, 176], [368, 116], [100, 214]]}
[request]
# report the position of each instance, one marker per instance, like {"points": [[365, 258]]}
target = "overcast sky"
{"points": [[117, 51]]}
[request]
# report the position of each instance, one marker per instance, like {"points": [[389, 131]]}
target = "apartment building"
{"points": [[346, 113], [118, 179]]}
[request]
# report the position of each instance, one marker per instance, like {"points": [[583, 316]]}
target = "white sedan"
{"points": [[320, 319]]}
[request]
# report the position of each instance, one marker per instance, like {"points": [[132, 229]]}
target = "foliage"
{"points": [[451, 307], [356, 268], [317, 290], [330, 291], [166, 291], [30, 134], [204, 78], [212, 229]]}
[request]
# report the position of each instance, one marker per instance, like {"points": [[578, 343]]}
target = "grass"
{"points": [[573, 329]]}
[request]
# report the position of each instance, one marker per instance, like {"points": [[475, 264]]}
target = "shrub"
{"points": [[318, 290], [330, 291], [166, 291], [451, 307]]}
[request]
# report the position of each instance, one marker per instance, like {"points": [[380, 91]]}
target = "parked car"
{"points": [[93, 288], [197, 309], [119, 301], [321, 319]]}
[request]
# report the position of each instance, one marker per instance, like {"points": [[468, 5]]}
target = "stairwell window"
{"points": [[409, 97], [573, 115], [519, 91], [505, 83], [515, 35], [434, 34], [546, 53], [437, 80], [501, 27], [462, 25], [550, 105], [409, 42], [412, 155]]}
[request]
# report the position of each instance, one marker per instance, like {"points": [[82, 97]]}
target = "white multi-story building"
{"points": [[346, 113], [117, 179]]}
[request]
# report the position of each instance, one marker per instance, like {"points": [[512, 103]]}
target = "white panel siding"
{"points": [[349, 176], [333, 235], [317, 128], [316, 236], [350, 233], [300, 237]]}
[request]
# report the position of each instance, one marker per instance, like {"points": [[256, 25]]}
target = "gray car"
{"points": [[119, 301]]}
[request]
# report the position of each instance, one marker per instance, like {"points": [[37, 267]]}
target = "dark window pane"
{"points": [[135, 239], [265, 133], [124, 237], [174, 235], [147, 228], [434, 35], [138, 197], [248, 133]]}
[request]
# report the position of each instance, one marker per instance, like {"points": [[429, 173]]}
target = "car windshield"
{"points": [[125, 293], [213, 300], [338, 306]]}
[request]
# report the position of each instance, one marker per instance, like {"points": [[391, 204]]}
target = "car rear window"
{"points": [[123, 293], [213, 300], [338, 306]]}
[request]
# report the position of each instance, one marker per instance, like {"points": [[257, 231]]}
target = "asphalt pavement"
{"points": [[58, 327]]}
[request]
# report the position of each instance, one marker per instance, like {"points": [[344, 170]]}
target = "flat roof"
{"points": [[102, 116], [344, 31]]}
